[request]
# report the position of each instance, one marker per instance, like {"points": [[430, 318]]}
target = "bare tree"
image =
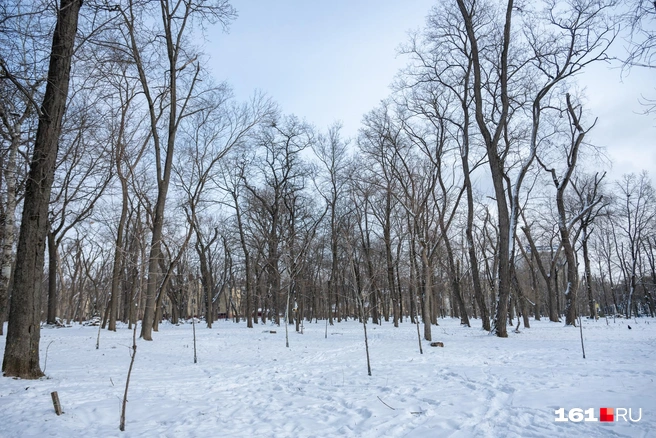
{"points": [[281, 175], [81, 177], [233, 174], [212, 132], [641, 48], [636, 215], [642, 40], [588, 191], [649, 247], [21, 358], [556, 43], [331, 150], [409, 182], [169, 101], [12, 122], [22, 79], [550, 251], [565, 224], [125, 161]]}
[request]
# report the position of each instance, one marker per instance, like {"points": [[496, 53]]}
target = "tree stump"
{"points": [[55, 402]]}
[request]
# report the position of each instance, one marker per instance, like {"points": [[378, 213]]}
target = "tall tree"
{"points": [[23, 69], [21, 358], [565, 224], [636, 216], [331, 150], [588, 192], [169, 101]]}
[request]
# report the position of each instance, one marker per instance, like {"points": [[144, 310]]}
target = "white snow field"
{"points": [[248, 384]]}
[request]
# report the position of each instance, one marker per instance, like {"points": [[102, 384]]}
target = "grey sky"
{"points": [[334, 60]]}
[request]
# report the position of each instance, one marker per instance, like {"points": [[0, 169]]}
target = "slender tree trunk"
{"points": [[21, 358], [117, 268], [9, 232], [366, 247], [534, 288], [332, 283], [427, 295], [389, 260], [454, 277], [588, 274], [119, 249], [473, 261], [469, 229], [52, 278], [206, 281], [399, 289]]}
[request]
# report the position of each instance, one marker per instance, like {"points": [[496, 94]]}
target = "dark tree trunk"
{"points": [[427, 294], [588, 274], [206, 280], [469, 230], [21, 358], [568, 247], [534, 288], [572, 273], [366, 248], [495, 160], [117, 268], [389, 260]]}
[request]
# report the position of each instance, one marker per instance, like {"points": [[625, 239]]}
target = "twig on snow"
{"points": [[381, 400]]}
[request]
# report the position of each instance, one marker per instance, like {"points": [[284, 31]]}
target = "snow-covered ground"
{"points": [[248, 384]]}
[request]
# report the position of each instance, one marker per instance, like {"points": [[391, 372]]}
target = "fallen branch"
{"points": [[381, 400]]}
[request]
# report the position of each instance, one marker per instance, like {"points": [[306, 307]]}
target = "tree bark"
{"points": [[588, 273], [8, 232]]}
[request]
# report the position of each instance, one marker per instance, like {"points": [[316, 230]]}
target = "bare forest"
{"points": [[135, 188]]}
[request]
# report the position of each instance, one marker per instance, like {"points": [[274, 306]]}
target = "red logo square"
{"points": [[606, 414]]}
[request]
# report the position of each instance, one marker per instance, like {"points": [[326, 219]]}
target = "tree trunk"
{"points": [[118, 252], [389, 260], [206, 280], [534, 288], [6, 258], [427, 295], [454, 276], [469, 230], [588, 274], [332, 283], [52, 278], [21, 358]]}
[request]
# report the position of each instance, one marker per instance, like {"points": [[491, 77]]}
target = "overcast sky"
{"points": [[334, 60]]}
